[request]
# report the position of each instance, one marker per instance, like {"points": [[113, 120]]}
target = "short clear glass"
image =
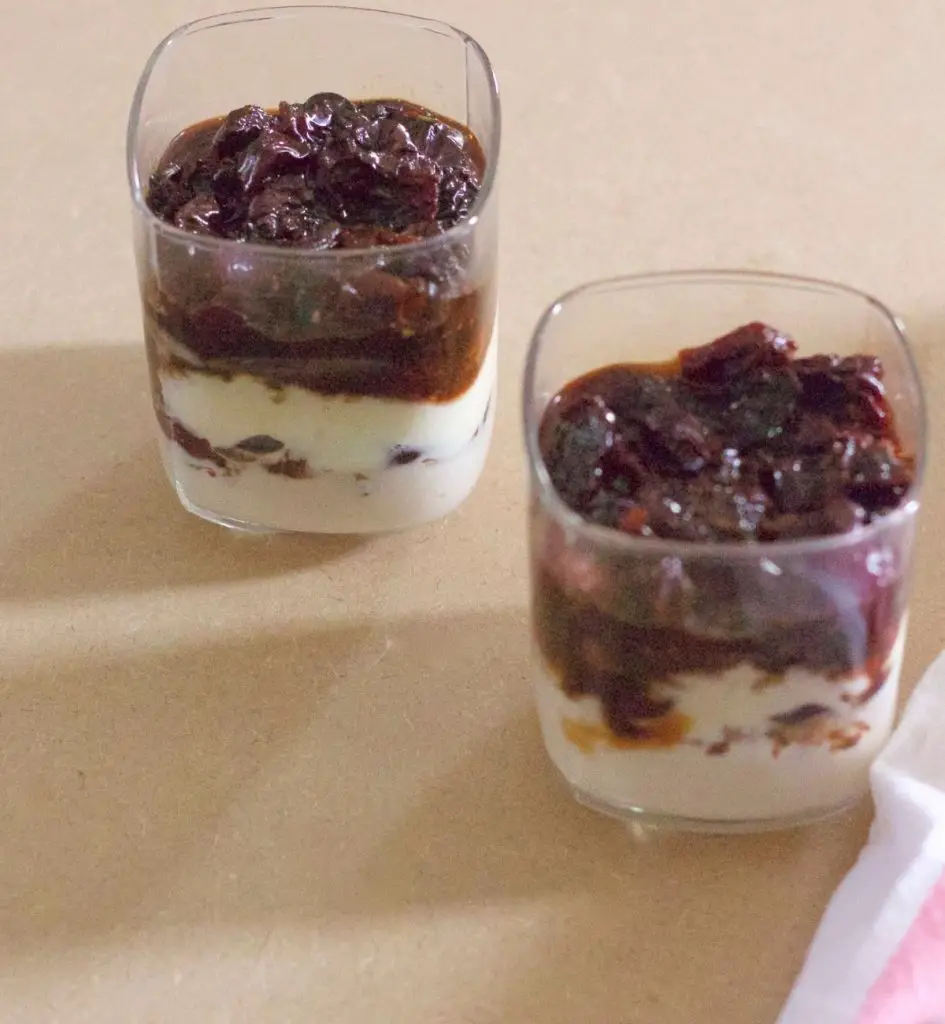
{"points": [[336, 391], [776, 665]]}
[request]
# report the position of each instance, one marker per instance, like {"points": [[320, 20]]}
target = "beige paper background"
{"points": [[299, 780]]}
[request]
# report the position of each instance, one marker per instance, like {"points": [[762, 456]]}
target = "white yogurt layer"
{"points": [[330, 502], [751, 781], [349, 434], [346, 442]]}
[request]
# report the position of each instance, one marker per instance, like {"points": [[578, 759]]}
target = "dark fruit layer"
{"points": [[734, 441], [329, 173], [326, 174]]}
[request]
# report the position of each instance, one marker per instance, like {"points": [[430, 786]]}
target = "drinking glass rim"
{"points": [[261, 250], [751, 550]]}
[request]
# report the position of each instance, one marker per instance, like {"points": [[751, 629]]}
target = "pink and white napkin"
{"points": [[879, 954]]}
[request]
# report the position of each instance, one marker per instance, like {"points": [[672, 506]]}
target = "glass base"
{"points": [[238, 525], [639, 819]]}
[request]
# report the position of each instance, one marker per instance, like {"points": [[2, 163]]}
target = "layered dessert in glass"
{"points": [[318, 268], [721, 529]]}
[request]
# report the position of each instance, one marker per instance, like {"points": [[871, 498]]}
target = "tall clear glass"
{"points": [[773, 667], [345, 390]]}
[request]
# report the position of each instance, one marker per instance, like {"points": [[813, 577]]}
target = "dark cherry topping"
{"points": [[736, 440], [329, 173]]}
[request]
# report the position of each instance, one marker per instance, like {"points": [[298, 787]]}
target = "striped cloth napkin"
{"points": [[879, 954]]}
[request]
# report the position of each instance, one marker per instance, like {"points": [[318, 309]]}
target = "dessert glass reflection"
{"points": [[721, 539], [315, 229]]}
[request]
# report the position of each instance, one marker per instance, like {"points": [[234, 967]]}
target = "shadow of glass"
{"points": [[121, 772], [95, 512], [245, 780]]}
